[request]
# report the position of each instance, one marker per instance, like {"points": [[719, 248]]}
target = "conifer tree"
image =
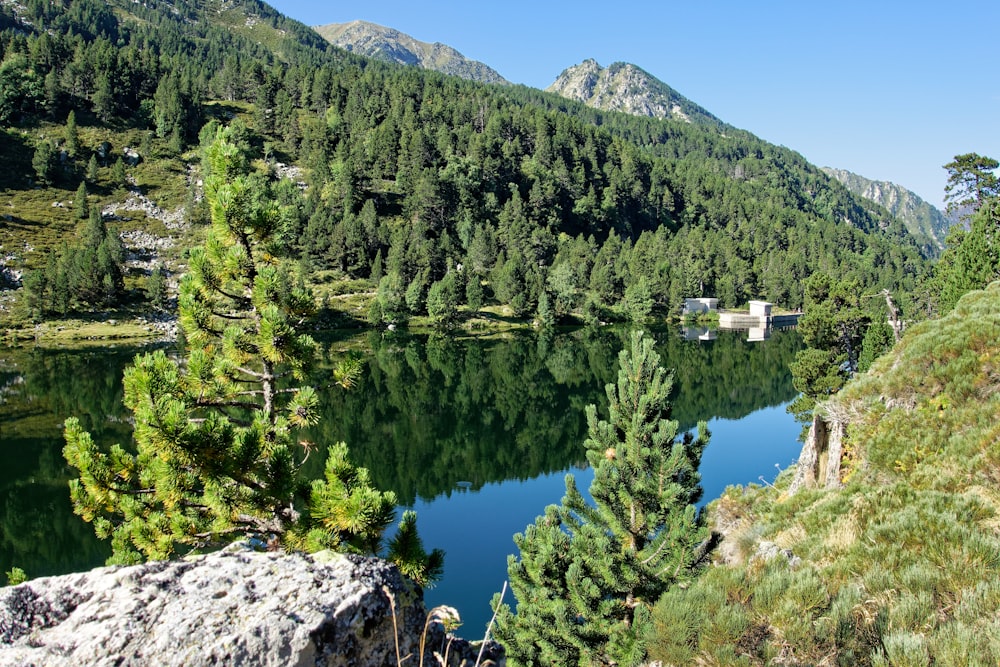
{"points": [[72, 135], [80, 204], [216, 455], [92, 170], [589, 573]]}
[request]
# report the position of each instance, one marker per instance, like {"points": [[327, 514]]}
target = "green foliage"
{"points": [[16, 576], [442, 301], [833, 328], [156, 287], [588, 574], [897, 567], [20, 89], [972, 180], [972, 258], [80, 205], [407, 550], [432, 171], [45, 163], [92, 172], [216, 455], [84, 276], [877, 341], [474, 293]]}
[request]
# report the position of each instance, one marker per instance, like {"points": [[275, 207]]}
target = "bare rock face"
{"points": [[629, 89], [235, 607], [376, 41]]}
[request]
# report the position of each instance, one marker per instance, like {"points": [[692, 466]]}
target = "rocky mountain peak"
{"points": [[376, 41], [627, 88]]}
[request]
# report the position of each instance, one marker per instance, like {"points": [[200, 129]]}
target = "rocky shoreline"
{"points": [[233, 607]]}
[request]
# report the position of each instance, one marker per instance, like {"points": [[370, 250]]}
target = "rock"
{"points": [[234, 607], [820, 460], [768, 551]]}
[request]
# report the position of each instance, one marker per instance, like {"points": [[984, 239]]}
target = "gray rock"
{"points": [[235, 607], [768, 551]]}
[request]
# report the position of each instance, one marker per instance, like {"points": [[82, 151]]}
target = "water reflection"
{"points": [[476, 433]]}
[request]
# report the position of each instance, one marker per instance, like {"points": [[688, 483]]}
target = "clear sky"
{"points": [[891, 90]]}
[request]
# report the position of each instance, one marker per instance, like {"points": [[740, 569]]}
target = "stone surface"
{"points": [[376, 41], [819, 462], [235, 607], [629, 89]]}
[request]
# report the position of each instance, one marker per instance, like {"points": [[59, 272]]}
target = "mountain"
{"points": [[625, 87], [925, 222], [375, 41], [398, 174]]}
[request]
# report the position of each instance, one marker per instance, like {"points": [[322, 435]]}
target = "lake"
{"points": [[476, 434]]}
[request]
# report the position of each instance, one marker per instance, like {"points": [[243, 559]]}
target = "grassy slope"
{"points": [[899, 567]]}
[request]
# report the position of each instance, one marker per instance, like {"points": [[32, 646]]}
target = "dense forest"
{"points": [[433, 196], [439, 192]]}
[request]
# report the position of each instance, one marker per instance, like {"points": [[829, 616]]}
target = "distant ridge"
{"points": [[928, 224], [629, 89], [376, 41]]}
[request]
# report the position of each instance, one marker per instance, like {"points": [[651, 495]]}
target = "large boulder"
{"points": [[235, 607]]}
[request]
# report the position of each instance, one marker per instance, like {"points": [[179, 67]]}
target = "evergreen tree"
{"points": [[156, 287], [80, 205], [72, 135], [638, 300], [588, 574], [972, 179], [543, 314], [972, 259], [877, 341], [833, 327], [92, 170], [377, 270], [216, 457], [474, 293], [45, 162], [119, 177], [442, 301]]}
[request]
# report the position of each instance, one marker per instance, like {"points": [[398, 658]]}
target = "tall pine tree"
{"points": [[216, 455], [589, 573]]}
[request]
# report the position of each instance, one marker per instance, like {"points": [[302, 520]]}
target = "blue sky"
{"points": [[890, 90]]}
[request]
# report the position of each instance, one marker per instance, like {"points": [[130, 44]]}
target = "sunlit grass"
{"points": [[899, 566]]}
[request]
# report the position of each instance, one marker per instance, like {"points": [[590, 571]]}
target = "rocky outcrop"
{"points": [[235, 607], [819, 462], [627, 88], [375, 41]]}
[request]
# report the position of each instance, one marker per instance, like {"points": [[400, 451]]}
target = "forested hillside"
{"points": [[925, 222], [432, 191]]}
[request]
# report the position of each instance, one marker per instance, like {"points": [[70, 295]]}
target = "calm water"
{"points": [[476, 434]]}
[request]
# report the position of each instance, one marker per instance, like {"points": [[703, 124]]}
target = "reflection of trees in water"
{"points": [[38, 530], [432, 411]]}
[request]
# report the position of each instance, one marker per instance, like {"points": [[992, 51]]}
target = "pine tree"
{"points": [[442, 302], [588, 574], [92, 170], [81, 207], [45, 163], [72, 135], [216, 455], [119, 177], [972, 259], [156, 287]]}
